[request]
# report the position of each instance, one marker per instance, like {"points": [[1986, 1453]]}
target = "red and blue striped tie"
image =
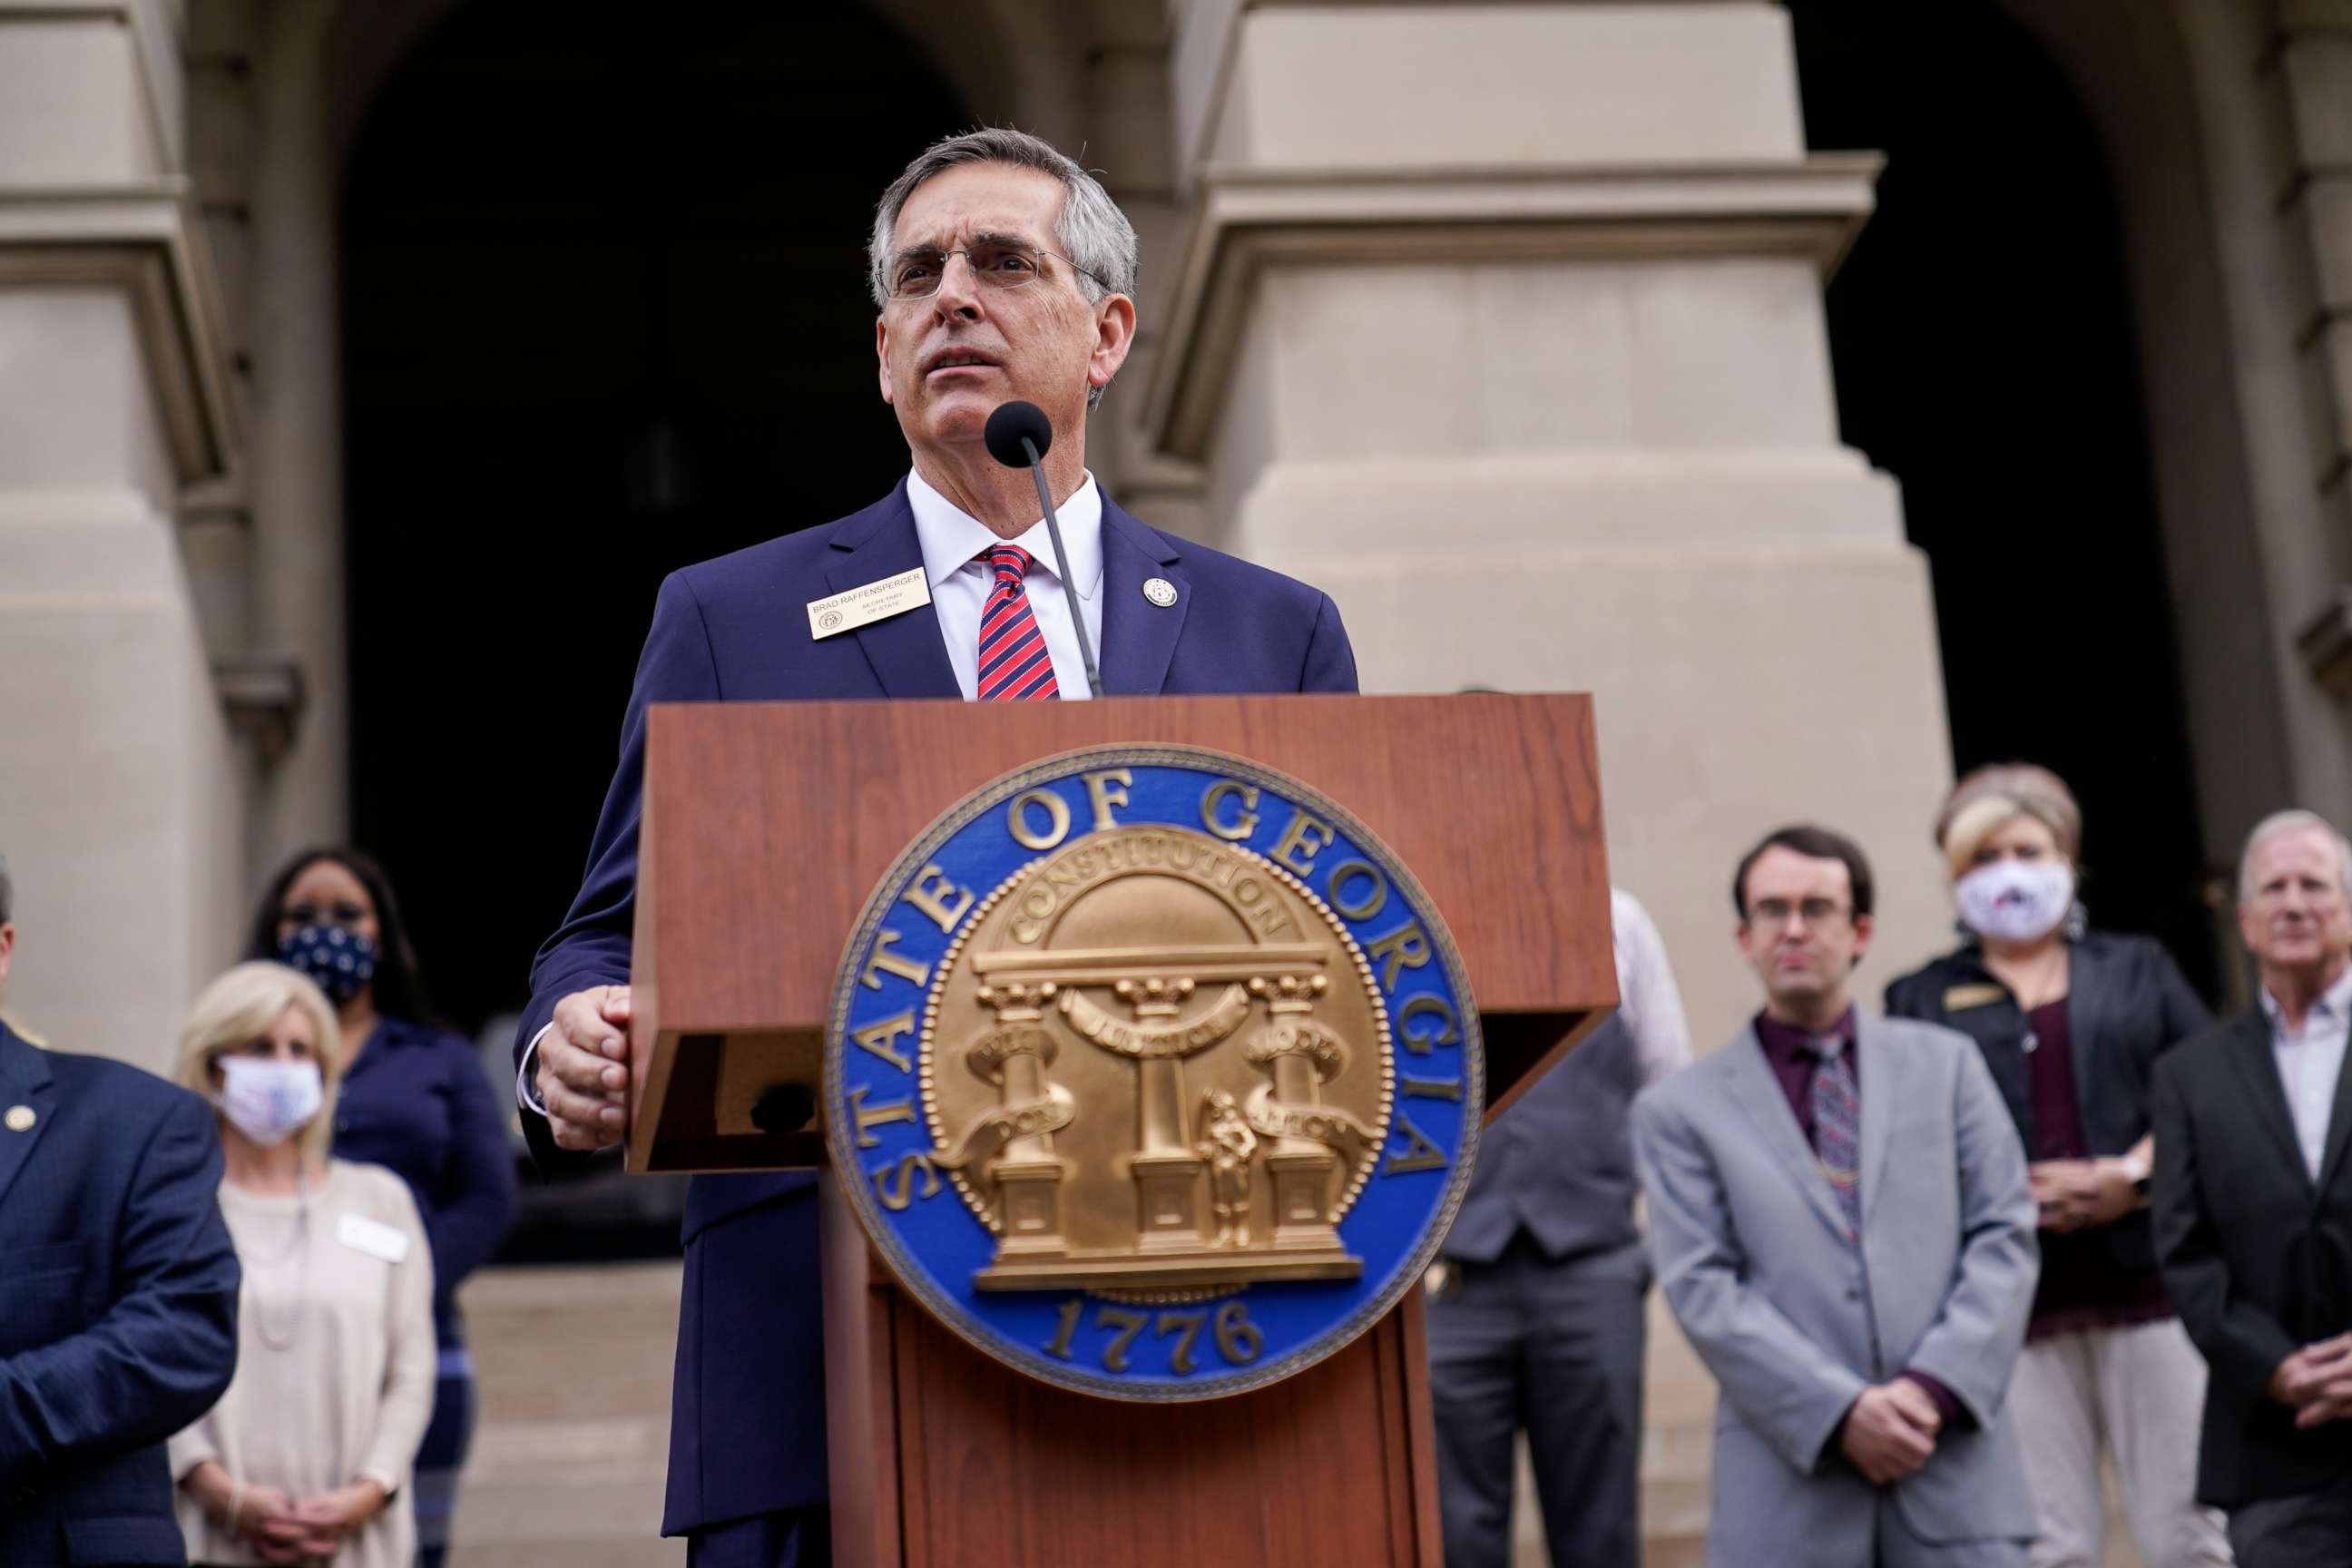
{"points": [[1014, 663]]}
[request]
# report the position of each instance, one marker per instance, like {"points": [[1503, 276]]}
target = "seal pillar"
{"points": [[1165, 1167], [1028, 1174]]}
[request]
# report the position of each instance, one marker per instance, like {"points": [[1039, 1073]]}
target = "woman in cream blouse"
{"points": [[305, 1458]]}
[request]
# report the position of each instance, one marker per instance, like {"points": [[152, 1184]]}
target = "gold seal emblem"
{"points": [[1163, 1063], [1152, 1073]]}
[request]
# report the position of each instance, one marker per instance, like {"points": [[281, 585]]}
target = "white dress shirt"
{"points": [[955, 545], [2310, 1060], [1648, 998]]}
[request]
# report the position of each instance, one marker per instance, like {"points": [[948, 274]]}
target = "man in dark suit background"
{"points": [[1536, 1307], [1001, 271], [117, 1297], [2252, 1208]]}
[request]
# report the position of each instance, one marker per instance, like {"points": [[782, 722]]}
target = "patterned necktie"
{"points": [[1837, 1130], [1015, 664]]}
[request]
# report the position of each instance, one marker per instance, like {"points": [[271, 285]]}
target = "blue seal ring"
{"points": [[1131, 1345]]}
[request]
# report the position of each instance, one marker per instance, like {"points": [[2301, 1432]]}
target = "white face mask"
{"points": [[269, 1101], [2016, 900]]}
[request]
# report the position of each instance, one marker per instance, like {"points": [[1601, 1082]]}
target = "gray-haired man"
{"points": [[2252, 1208], [1001, 271]]}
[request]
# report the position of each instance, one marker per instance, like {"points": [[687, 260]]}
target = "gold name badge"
{"points": [[875, 601], [1960, 998]]}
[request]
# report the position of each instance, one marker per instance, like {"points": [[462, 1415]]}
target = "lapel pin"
{"points": [[19, 1119], [1160, 592]]}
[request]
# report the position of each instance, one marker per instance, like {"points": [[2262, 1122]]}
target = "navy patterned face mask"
{"points": [[338, 962]]}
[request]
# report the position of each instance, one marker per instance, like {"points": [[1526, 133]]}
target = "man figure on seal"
{"points": [[1841, 1222], [1002, 271]]}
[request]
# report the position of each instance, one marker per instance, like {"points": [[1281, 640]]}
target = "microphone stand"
{"points": [[1062, 565]]}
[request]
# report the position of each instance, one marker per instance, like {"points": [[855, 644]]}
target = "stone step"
{"points": [[571, 1434], [572, 1430]]}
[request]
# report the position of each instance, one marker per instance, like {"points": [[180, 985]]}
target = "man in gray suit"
{"points": [[1840, 1220]]}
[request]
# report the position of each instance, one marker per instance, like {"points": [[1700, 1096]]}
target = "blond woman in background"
{"points": [[2072, 1021], [305, 1458]]}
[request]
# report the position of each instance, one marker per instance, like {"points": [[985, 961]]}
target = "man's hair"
{"points": [[2277, 825], [8, 894], [1091, 231], [1814, 843]]}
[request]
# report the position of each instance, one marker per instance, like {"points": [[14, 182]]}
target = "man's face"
{"points": [[1801, 933], [1041, 343], [2295, 916], [7, 950]]}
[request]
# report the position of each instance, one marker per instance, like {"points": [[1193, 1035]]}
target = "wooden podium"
{"points": [[765, 828]]}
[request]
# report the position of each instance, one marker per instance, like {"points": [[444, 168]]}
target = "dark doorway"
{"points": [[1985, 356], [604, 315]]}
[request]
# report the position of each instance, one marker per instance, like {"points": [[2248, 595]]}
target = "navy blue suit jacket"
{"points": [[747, 1421], [117, 1304]]}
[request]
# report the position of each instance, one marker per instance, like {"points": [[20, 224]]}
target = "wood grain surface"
{"points": [[767, 826]]}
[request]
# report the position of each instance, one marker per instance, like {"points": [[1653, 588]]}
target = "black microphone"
{"points": [[1019, 436]]}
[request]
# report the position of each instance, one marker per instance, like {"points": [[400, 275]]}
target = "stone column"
{"points": [[120, 785], [2309, 49], [293, 339], [1502, 323]]}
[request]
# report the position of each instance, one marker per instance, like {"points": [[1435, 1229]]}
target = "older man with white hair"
{"points": [[2254, 1208]]}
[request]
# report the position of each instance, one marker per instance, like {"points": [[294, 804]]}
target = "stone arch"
{"points": [[603, 315], [2179, 96], [1989, 357]]}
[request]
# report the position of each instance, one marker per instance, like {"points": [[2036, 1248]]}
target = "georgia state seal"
{"points": [[1152, 1073]]}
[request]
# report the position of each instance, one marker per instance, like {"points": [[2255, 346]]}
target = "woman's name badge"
{"points": [[878, 600], [1960, 998], [371, 1237]]}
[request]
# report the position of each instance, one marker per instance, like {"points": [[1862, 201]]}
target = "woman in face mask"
{"points": [[2071, 1021], [307, 1457], [413, 1099]]}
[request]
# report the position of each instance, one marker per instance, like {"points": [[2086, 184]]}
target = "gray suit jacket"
{"points": [[1794, 1324]]}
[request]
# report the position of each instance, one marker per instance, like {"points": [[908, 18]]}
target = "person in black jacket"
{"points": [[2072, 1023], [118, 1299], [2253, 1209]]}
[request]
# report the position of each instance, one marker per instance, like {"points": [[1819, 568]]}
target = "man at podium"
{"points": [[1001, 271]]}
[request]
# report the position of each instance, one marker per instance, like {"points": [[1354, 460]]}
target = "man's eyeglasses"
{"points": [[916, 274], [1813, 914]]}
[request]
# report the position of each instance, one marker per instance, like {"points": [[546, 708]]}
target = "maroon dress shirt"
{"points": [[1794, 1054]]}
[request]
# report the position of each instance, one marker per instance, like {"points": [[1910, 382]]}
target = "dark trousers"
{"points": [[1554, 1349], [792, 1538], [2309, 1529]]}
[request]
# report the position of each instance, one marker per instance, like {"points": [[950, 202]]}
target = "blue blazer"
{"points": [[747, 1420], [117, 1304], [417, 1104]]}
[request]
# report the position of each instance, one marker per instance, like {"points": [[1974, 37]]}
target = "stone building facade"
{"points": [[1509, 324]]}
